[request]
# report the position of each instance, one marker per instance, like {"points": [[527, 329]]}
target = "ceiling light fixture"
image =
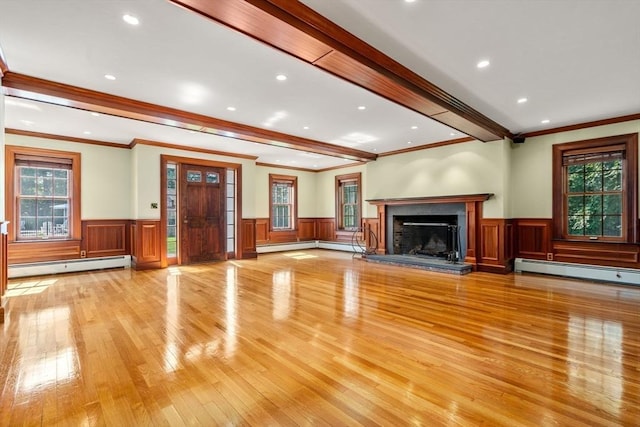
{"points": [[109, 77], [305, 127], [281, 77], [522, 100], [231, 108], [86, 132], [545, 121], [408, 142], [130, 19], [414, 127], [95, 114], [483, 64], [452, 134], [362, 107]]}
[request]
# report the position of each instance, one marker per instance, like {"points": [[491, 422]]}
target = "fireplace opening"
{"points": [[433, 236]]}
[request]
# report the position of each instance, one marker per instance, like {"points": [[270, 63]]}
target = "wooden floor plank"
{"points": [[320, 340]]}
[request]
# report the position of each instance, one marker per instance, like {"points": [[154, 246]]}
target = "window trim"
{"points": [[293, 181], [341, 179], [629, 144], [13, 153]]}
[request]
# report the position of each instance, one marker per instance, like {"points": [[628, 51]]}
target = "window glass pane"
{"points": [[27, 171], [28, 186], [576, 205], [612, 204], [576, 225], [44, 182], [27, 207], [171, 172], [576, 182], [45, 208], [593, 177], [60, 208], [194, 176], [171, 218], [612, 225], [212, 178], [28, 227], [593, 225], [612, 179], [171, 202], [60, 187], [593, 205]]}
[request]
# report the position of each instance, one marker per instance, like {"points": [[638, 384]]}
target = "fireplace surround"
{"points": [[467, 209]]}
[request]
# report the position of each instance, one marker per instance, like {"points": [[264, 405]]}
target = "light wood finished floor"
{"points": [[318, 338]]}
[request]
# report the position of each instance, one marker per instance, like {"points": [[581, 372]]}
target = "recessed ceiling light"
{"points": [[414, 127], [408, 142], [86, 132], [483, 64], [409, 1], [281, 77], [362, 107], [452, 134], [522, 100], [306, 127], [545, 121], [28, 122], [95, 114], [109, 77], [130, 19], [375, 149], [231, 108]]}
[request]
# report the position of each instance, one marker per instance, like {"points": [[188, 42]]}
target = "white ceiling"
{"points": [[574, 60]]}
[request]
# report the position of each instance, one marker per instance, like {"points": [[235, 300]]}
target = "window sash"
{"points": [[282, 198]]}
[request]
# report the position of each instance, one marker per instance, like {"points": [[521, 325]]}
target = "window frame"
{"points": [[292, 181], [341, 180], [12, 154], [629, 146]]}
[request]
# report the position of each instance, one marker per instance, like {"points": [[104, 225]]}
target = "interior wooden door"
{"points": [[202, 214]]}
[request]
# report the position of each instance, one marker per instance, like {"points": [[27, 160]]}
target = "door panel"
{"points": [[202, 194]]}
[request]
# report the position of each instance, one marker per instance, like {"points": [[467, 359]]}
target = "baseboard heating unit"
{"points": [[68, 266], [628, 276]]}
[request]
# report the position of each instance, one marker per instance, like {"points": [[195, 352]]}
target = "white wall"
{"points": [[467, 168], [307, 194], [531, 167], [105, 176]]}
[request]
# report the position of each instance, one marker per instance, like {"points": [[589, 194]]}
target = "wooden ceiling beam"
{"points": [[22, 86], [298, 30]]}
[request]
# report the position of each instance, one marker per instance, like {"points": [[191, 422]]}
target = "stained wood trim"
{"points": [[300, 31], [64, 138], [148, 246], [37, 89], [584, 125], [4, 266], [496, 247], [623, 255], [11, 151], [293, 180], [277, 166], [137, 141], [339, 179], [464, 198], [3, 63], [427, 146], [533, 238], [630, 142]]}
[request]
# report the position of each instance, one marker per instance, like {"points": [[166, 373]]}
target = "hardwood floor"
{"points": [[318, 338]]}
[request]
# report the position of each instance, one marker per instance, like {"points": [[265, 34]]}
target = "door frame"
{"points": [[181, 161]]}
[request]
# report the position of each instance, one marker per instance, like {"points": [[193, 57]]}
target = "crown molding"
{"points": [[64, 138], [138, 141], [584, 125]]}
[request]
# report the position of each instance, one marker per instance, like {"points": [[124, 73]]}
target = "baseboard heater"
{"points": [[68, 266], [628, 276], [310, 244]]}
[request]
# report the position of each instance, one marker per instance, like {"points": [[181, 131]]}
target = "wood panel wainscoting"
{"points": [[145, 244], [106, 237], [497, 252], [4, 265], [534, 240], [43, 250], [248, 239], [371, 232], [306, 229]]}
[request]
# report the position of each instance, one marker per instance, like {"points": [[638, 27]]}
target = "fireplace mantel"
{"points": [[464, 198], [473, 209]]}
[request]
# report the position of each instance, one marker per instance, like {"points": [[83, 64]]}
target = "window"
{"points": [[43, 197], [283, 201], [595, 189], [172, 208], [348, 201]]}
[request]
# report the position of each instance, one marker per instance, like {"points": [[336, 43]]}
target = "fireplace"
{"points": [[434, 236], [467, 209]]}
